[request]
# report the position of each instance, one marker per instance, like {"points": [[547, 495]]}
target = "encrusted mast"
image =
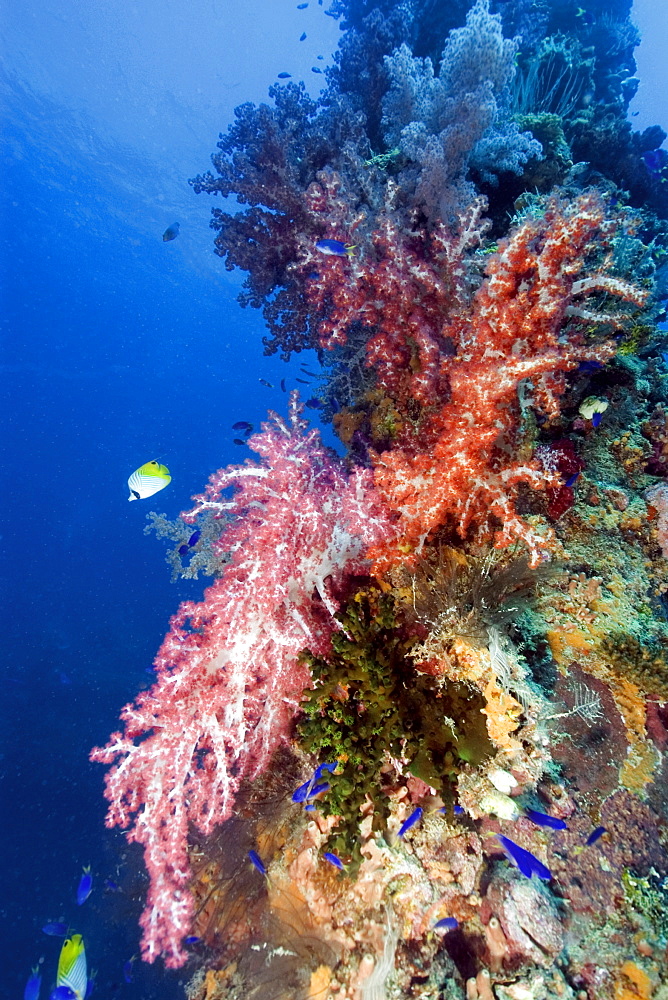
{"points": [[387, 689]]}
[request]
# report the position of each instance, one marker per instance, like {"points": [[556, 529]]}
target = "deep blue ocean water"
{"points": [[117, 348]]}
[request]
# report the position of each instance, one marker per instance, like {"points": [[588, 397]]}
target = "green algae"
{"points": [[368, 705], [648, 896]]}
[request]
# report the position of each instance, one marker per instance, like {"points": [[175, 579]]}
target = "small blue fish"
{"points": [[571, 481], [321, 768], [309, 790], [542, 819], [596, 419], [283, 389], [316, 69], [302, 793], [63, 993], [56, 929], [589, 366], [239, 441], [263, 381], [256, 861], [302, 37], [334, 248], [654, 162], [414, 818], [183, 550], [302, 380], [192, 939], [284, 76], [313, 786], [128, 974], [586, 17], [194, 538], [527, 862], [595, 835], [446, 924], [85, 886], [33, 986], [664, 355], [302, 6], [458, 810], [314, 404], [171, 232], [333, 860], [242, 425], [109, 883]]}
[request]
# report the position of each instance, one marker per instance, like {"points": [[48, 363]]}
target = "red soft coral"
{"points": [[523, 327]]}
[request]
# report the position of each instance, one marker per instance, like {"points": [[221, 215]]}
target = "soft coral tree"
{"points": [[229, 673], [551, 276]]}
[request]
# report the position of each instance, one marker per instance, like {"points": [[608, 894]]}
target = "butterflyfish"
{"points": [[171, 232], [72, 971], [147, 480]]}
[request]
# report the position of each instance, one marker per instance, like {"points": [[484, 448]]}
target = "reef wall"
{"points": [[412, 742]]}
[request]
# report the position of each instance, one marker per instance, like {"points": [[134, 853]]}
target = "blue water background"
{"points": [[117, 349]]}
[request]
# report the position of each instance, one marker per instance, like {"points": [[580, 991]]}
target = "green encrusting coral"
{"points": [[368, 705]]}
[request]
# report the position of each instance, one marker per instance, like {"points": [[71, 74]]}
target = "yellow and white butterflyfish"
{"points": [[148, 479], [72, 971]]}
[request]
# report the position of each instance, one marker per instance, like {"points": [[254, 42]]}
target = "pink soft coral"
{"points": [[229, 678]]}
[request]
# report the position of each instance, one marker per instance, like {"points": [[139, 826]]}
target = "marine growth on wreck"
{"points": [[412, 741]]}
